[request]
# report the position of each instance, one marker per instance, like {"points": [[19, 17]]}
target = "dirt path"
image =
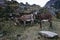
{"points": [[31, 33]]}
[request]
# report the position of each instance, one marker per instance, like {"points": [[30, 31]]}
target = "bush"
{"points": [[7, 27], [58, 15]]}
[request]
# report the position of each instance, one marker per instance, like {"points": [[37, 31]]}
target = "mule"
{"points": [[45, 17], [26, 18]]}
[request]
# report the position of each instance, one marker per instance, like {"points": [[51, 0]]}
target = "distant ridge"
{"points": [[49, 5]]}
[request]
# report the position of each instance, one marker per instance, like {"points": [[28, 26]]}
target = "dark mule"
{"points": [[45, 17]]}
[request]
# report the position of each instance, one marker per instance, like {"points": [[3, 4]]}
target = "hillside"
{"points": [[27, 7], [53, 6], [13, 7]]}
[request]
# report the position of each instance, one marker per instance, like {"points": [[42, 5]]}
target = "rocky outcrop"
{"points": [[28, 8], [50, 6], [50, 3]]}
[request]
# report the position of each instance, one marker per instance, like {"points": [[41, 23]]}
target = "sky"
{"points": [[38, 2]]}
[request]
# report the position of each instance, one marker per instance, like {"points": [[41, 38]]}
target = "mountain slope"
{"points": [[52, 5]]}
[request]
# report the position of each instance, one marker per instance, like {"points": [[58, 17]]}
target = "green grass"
{"points": [[13, 30]]}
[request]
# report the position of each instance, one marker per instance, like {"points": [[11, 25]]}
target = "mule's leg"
{"points": [[32, 22], [50, 24], [40, 25], [24, 23]]}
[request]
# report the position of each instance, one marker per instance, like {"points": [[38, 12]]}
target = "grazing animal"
{"points": [[45, 17], [25, 18]]}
